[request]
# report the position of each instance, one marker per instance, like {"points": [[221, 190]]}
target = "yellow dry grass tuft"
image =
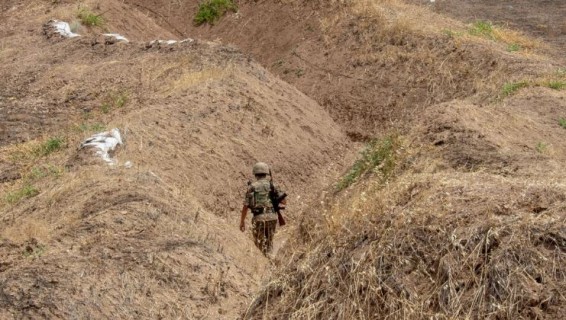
{"points": [[28, 229], [514, 37]]}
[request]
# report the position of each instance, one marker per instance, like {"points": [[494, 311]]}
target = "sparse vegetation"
{"points": [[515, 40], [34, 250], [27, 191], [378, 156], [513, 47], [49, 146], [86, 127], [44, 171], [562, 122], [114, 100], [541, 147], [120, 99], [556, 84], [512, 87], [211, 10], [105, 108], [483, 29], [90, 19], [452, 33]]}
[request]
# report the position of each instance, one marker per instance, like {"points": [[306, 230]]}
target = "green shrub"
{"points": [[562, 122], [211, 10], [88, 18], [378, 156], [511, 87]]}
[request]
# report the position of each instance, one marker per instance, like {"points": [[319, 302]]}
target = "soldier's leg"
{"points": [[256, 233], [269, 234], [259, 236]]}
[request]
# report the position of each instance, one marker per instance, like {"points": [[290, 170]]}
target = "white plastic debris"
{"points": [[104, 142], [170, 42], [63, 29], [116, 36], [128, 164]]}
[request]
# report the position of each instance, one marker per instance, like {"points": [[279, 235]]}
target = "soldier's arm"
{"points": [[243, 218], [247, 201], [279, 192]]}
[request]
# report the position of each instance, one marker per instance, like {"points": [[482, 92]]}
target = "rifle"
{"points": [[276, 199]]}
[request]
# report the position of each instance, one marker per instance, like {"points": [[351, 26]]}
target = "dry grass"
{"points": [[507, 36], [414, 252], [28, 229]]}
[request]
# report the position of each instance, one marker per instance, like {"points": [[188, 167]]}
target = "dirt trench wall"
{"points": [[371, 65], [158, 238]]}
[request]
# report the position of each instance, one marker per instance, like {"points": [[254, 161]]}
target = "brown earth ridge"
{"points": [[464, 217]]}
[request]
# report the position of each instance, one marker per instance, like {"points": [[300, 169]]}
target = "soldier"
{"points": [[258, 200]]}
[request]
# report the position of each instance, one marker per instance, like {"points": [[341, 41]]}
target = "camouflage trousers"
{"points": [[263, 231]]}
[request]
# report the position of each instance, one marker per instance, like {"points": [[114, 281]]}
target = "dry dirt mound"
{"points": [[158, 239], [371, 64], [471, 225]]}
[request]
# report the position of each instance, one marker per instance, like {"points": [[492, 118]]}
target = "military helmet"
{"points": [[260, 168]]}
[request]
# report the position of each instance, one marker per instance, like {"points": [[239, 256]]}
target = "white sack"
{"points": [[63, 29], [103, 143]]}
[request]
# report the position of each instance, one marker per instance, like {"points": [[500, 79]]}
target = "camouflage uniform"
{"points": [[264, 219]]}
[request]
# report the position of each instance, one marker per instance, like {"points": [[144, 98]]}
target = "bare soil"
{"points": [[541, 19]]}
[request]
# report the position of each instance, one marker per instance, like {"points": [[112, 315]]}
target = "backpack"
{"points": [[261, 195]]}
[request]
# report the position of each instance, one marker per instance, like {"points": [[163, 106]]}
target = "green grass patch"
{"points": [[211, 10], [27, 191], [49, 146], [120, 99], [512, 87], [378, 157], [513, 47], [90, 19], [105, 108], [41, 172], [541, 147], [482, 29], [114, 100], [562, 122], [556, 85]]}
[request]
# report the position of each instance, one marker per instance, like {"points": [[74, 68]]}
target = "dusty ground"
{"points": [[541, 19], [370, 67], [471, 223]]}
